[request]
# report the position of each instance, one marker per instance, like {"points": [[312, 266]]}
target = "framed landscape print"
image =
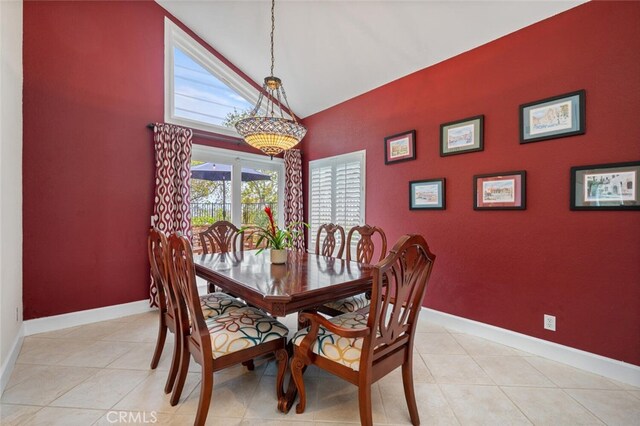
{"points": [[606, 187], [553, 118], [499, 191], [462, 136], [427, 194], [400, 147]]}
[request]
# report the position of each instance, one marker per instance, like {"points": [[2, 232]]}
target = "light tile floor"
{"points": [[93, 374]]}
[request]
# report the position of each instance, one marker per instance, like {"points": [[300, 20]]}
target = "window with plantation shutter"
{"points": [[336, 192]]}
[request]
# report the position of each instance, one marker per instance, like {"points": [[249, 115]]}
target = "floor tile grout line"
{"points": [[455, 415], [555, 385], [581, 404], [107, 409], [515, 404]]}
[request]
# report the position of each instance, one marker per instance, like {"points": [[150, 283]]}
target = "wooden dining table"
{"points": [[305, 281]]}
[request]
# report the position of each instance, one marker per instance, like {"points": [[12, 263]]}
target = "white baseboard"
{"points": [[10, 362], [58, 322], [607, 367]]}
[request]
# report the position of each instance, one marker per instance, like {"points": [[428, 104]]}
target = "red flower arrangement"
{"points": [[276, 238]]}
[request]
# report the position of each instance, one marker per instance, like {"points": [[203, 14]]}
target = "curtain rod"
{"points": [[207, 135]]}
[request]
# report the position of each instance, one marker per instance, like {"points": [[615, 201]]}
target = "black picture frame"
{"points": [[471, 140], [400, 147], [500, 191], [429, 200], [573, 121], [612, 186]]}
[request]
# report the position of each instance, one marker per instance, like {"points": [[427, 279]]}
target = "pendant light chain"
{"points": [[271, 133], [273, 28]]}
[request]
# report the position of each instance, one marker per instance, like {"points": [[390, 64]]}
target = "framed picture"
{"points": [[427, 194], [606, 187], [400, 147], [499, 191], [462, 136], [553, 118]]}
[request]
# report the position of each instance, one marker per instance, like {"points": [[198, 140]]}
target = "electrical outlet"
{"points": [[549, 322]]}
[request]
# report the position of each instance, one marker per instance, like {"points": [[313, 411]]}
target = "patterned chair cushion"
{"points": [[214, 304], [340, 349], [241, 329], [350, 304]]}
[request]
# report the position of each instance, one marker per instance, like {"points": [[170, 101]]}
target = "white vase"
{"points": [[278, 256]]}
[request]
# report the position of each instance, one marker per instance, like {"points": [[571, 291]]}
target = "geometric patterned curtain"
{"points": [[293, 207], [171, 207]]}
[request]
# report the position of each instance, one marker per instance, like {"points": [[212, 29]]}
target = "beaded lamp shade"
{"points": [[271, 133]]}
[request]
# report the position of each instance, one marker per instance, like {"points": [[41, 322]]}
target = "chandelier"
{"points": [[271, 133]]}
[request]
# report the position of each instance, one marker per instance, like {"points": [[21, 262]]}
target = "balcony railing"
{"points": [[208, 213]]}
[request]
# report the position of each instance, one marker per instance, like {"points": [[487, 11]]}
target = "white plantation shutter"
{"points": [[336, 192]]}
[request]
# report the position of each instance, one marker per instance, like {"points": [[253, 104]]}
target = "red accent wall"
{"points": [[93, 80], [508, 268]]}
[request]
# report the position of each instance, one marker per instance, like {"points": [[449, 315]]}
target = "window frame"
{"points": [[238, 160], [174, 37], [334, 161]]}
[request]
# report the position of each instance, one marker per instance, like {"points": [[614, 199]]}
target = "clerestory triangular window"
{"points": [[201, 91]]}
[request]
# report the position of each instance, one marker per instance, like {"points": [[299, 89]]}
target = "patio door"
{"points": [[234, 186]]}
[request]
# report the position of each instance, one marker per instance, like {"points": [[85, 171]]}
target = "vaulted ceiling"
{"points": [[330, 51]]}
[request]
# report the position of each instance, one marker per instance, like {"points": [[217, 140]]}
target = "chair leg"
{"points": [[185, 358], [206, 389], [283, 357], [249, 364], [297, 365], [175, 364], [162, 335], [409, 393], [364, 402]]}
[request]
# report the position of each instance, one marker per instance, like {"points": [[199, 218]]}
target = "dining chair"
{"points": [[362, 348], [365, 250], [219, 342], [221, 237], [212, 304], [328, 245]]}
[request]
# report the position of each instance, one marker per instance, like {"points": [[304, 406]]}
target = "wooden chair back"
{"points": [[328, 244], [365, 247], [157, 246], [399, 285], [183, 279], [221, 237]]}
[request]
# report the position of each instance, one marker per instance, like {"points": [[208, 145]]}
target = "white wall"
{"points": [[10, 185]]}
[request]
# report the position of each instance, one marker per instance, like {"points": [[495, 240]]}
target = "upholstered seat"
{"points": [[343, 350], [214, 304], [241, 329], [349, 304]]}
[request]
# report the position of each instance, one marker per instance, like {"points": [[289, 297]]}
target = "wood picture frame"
{"points": [[613, 186], [462, 136], [500, 191], [400, 147], [428, 194], [552, 118]]}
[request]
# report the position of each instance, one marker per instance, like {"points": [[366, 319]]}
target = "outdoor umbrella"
{"points": [[222, 172]]}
